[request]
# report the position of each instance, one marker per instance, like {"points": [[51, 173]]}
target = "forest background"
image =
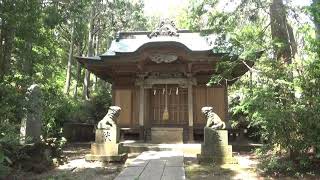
{"points": [[279, 97]]}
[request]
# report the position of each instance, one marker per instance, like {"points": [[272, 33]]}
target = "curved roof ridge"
{"points": [[193, 41]]}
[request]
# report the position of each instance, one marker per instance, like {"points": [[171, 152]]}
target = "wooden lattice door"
{"points": [[177, 102]]}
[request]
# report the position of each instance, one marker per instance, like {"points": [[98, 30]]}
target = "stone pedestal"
{"points": [[30, 130], [106, 146], [215, 147], [166, 135]]}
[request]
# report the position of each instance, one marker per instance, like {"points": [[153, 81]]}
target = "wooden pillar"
{"points": [[190, 111], [141, 112], [226, 104]]}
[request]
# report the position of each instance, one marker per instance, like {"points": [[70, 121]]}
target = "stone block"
{"points": [[131, 172], [214, 137], [215, 148], [167, 135], [31, 123], [153, 170], [173, 173], [109, 152], [105, 158], [107, 136], [108, 149]]}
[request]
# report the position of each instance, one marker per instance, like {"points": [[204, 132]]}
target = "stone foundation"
{"points": [[117, 158], [167, 135], [106, 146], [106, 152]]}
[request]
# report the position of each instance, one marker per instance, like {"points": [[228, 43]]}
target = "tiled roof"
{"points": [[131, 43]]}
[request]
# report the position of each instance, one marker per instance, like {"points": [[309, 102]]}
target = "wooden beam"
{"points": [[190, 111]]}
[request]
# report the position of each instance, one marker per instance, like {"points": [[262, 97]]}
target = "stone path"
{"points": [[161, 165]]}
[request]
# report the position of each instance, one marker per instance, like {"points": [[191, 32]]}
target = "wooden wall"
{"points": [[128, 100], [208, 96]]}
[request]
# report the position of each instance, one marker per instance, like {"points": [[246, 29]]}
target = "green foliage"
{"points": [[101, 102], [280, 101], [4, 169], [35, 39], [8, 137], [279, 164], [11, 101], [89, 111]]}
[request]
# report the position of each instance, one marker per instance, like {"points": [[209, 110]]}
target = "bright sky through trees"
{"points": [[170, 8]]}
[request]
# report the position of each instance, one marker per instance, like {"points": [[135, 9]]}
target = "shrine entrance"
{"points": [[159, 81], [169, 106]]}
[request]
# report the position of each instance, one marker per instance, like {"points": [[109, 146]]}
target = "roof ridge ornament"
{"points": [[163, 58], [166, 28]]}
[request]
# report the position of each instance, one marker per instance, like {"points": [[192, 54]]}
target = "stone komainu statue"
{"points": [[213, 120], [109, 121]]}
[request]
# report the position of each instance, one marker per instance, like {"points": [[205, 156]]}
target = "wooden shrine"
{"points": [[159, 79]]}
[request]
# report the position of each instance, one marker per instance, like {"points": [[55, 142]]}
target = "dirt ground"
{"points": [[246, 169], [77, 167]]}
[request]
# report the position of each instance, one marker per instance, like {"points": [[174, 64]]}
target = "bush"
{"points": [[11, 102], [57, 109], [93, 110], [101, 102], [279, 164], [4, 160]]}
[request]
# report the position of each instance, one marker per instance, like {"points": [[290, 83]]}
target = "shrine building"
{"points": [[159, 80]]}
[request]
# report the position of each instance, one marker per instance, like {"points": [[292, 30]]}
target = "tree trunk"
{"points": [[97, 45], [78, 76], [75, 92], [316, 16], [69, 66], [1, 53], [281, 32], [27, 65], [7, 38], [86, 83], [2, 59], [7, 33]]}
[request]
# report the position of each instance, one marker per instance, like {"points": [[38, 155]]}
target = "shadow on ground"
{"points": [[245, 169], [76, 167]]}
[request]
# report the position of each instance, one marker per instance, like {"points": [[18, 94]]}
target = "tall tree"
{"points": [[109, 17], [93, 16], [70, 58], [282, 33], [7, 33], [316, 16]]}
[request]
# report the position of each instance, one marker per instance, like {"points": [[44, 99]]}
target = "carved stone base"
{"points": [[106, 152], [105, 149]]}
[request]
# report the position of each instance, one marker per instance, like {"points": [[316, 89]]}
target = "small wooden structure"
{"points": [[159, 79]]}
